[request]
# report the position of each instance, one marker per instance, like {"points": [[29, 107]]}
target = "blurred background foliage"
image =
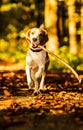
{"points": [[16, 17]]}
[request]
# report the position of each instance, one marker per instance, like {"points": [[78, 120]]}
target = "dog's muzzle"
{"points": [[34, 45]]}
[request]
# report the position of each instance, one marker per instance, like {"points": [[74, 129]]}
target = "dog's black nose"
{"points": [[34, 39]]}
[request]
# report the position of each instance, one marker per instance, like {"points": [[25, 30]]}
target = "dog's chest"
{"points": [[38, 58]]}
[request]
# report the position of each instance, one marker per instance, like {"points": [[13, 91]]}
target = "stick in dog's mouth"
{"points": [[51, 53]]}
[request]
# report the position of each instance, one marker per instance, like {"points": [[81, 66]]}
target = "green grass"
{"points": [[76, 61]]}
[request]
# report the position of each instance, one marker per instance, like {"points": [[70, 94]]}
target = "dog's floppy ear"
{"points": [[28, 33], [45, 35], [44, 38], [42, 26]]}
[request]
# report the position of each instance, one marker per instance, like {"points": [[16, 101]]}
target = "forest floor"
{"points": [[59, 107]]}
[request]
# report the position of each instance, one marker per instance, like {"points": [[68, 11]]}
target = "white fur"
{"points": [[35, 67], [35, 64]]}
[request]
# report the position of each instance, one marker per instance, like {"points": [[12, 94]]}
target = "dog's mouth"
{"points": [[34, 45]]}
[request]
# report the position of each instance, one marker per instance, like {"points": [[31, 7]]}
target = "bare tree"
{"points": [[51, 23]]}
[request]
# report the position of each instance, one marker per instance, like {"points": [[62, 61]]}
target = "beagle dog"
{"points": [[37, 60]]}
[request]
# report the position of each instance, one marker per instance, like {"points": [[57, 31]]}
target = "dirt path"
{"points": [[59, 107]]}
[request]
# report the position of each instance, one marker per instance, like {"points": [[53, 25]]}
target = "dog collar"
{"points": [[38, 50]]}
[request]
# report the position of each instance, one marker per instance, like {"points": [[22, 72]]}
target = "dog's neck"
{"points": [[35, 49]]}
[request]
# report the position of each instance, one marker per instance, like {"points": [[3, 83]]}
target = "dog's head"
{"points": [[37, 36]]}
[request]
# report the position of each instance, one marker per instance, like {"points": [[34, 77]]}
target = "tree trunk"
{"points": [[82, 26], [72, 27], [39, 4], [51, 23]]}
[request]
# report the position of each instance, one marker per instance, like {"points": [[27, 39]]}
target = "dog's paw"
{"points": [[41, 90], [30, 84], [35, 93]]}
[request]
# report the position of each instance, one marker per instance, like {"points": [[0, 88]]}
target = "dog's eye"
{"points": [[41, 35], [32, 33]]}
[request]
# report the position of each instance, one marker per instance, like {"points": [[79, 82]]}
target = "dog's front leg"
{"points": [[28, 73], [38, 75], [36, 86], [42, 81]]}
